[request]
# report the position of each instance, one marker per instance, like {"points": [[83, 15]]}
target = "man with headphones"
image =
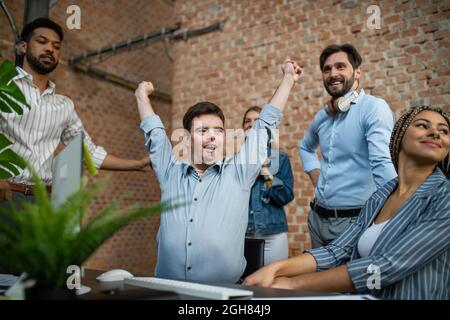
{"points": [[353, 132]]}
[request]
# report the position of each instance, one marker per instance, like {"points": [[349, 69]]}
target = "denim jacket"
{"points": [[266, 214]]}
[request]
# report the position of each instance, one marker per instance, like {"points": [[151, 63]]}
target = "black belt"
{"points": [[334, 213]]}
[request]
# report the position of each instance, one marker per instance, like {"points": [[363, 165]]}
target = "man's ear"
{"points": [[358, 73], [22, 48]]}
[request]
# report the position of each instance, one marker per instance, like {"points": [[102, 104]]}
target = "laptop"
{"points": [[67, 171]]}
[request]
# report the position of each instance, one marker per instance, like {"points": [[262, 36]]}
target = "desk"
{"points": [[118, 291]]}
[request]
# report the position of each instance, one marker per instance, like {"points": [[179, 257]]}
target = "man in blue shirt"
{"points": [[204, 239], [353, 132]]}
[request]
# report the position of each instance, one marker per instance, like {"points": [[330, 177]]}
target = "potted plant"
{"points": [[44, 241]]}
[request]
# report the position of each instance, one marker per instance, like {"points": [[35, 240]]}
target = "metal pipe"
{"points": [[119, 80], [152, 37], [165, 33]]}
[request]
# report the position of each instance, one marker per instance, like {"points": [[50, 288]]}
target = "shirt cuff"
{"points": [[270, 115], [324, 259], [361, 271], [98, 156], [151, 122], [309, 166]]}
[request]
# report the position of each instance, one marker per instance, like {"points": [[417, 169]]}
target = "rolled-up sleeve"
{"points": [[253, 153], [338, 251], [158, 146]]}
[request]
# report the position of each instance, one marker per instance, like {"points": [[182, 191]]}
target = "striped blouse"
{"points": [[411, 257], [38, 131]]}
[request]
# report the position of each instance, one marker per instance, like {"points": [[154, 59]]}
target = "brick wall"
{"points": [[405, 62], [108, 111]]}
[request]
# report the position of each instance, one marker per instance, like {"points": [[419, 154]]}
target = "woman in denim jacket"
{"points": [[272, 190]]}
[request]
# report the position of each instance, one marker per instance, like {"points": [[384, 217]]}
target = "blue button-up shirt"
{"points": [[355, 150], [204, 239]]}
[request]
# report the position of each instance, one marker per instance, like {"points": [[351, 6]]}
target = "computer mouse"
{"points": [[114, 275]]}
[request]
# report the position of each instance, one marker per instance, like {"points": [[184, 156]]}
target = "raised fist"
{"points": [[144, 89], [290, 67]]}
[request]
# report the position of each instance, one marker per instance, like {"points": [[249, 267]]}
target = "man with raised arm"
{"points": [[203, 240]]}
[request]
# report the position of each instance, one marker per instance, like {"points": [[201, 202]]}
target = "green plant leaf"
{"points": [[11, 98], [9, 160], [88, 159], [43, 241]]}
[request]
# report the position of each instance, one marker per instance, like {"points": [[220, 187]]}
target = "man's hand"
{"points": [[144, 164], [142, 92], [144, 89], [264, 277], [291, 74], [291, 68], [5, 191], [112, 162], [314, 176]]}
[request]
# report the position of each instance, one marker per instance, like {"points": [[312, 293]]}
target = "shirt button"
{"points": [[192, 220], [190, 243], [189, 268], [199, 180], [195, 199]]}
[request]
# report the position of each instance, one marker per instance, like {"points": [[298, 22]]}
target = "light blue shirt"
{"points": [[355, 150], [204, 239]]}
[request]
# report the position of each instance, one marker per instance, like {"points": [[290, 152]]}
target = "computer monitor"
{"points": [[67, 171]]}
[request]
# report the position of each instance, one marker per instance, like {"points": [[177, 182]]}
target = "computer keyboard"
{"points": [[189, 288]]}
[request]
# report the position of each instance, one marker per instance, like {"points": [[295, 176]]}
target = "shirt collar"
{"points": [[426, 189], [187, 167], [22, 74]]}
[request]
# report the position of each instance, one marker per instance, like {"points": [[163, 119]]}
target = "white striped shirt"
{"points": [[38, 131]]}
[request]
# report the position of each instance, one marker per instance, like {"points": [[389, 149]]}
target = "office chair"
{"points": [[254, 254]]}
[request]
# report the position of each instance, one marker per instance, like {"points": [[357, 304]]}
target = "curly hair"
{"points": [[402, 125]]}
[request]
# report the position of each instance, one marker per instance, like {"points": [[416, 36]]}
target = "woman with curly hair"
{"points": [[399, 248]]}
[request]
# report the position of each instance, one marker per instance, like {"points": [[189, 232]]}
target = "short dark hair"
{"points": [[352, 54], [199, 109], [254, 108], [40, 23]]}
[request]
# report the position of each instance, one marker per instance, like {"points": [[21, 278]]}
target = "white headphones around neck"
{"points": [[342, 104]]}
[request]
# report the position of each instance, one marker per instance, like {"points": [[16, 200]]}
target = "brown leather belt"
{"points": [[25, 188]]}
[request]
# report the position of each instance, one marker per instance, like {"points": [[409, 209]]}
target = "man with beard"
{"points": [[353, 132], [38, 131]]}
